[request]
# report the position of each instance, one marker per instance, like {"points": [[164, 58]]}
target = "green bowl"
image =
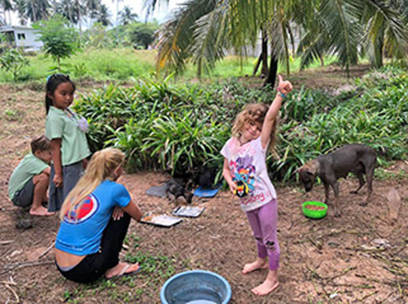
{"points": [[315, 214]]}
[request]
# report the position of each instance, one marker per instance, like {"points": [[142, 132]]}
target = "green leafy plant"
{"points": [[13, 61], [12, 115], [59, 38], [142, 34], [181, 128]]}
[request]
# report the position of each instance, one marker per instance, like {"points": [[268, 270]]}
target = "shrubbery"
{"points": [[181, 128]]}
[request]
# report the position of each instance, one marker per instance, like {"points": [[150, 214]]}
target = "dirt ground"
{"points": [[360, 257]]}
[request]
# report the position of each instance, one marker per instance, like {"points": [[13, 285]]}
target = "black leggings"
{"points": [[95, 265]]}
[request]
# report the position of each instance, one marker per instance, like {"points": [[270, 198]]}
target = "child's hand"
{"points": [[121, 180], [232, 186], [284, 86], [117, 213], [57, 180]]}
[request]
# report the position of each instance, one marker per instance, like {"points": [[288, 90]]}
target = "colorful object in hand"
{"points": [[242, 189]]}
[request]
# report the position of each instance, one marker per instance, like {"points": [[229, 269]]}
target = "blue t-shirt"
{"points": [[81, 230]]}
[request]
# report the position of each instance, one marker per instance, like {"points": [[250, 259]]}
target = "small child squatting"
{"points": [[28, 183]]}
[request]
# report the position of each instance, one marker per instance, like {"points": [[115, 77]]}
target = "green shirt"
{"points": [[26, 169], [64, 124]]}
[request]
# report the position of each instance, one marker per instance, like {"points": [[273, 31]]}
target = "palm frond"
{"points": [[344, 30], [210, 38], [392, 24], [176, 35]]}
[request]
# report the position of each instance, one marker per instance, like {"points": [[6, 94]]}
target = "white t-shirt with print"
{"points": [[247, 163]]}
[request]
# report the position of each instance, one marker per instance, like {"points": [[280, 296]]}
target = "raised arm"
{"points": [[284, 87]]}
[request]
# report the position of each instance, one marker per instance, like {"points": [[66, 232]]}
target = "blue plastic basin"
{"points": [[196, 287]]}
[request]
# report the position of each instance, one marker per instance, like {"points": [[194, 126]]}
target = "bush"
{"points": [[181, 128], [13, 61], [59, 39]]}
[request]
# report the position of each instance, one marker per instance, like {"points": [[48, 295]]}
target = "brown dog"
{"points": [[355, 158]]}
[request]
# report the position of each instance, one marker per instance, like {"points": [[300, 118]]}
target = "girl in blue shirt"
{"points": [[95, 218]]}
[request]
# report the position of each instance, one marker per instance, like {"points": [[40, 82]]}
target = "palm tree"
{"points": [[37, 9], [126, 16], [69, 10], [7, 6], [21, 7], [91, 6], [201, 30], [368, 26], [102, 15]]}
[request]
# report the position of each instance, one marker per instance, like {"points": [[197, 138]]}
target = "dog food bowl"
{"points": [[314, 209], [196, 287]]}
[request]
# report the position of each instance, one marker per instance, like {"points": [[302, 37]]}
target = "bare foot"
{"points": [[121, 269], [41, 211], [265, 288], [258, 264]]}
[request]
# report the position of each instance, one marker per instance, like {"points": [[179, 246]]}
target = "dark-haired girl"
{"points": [[69, 145]]}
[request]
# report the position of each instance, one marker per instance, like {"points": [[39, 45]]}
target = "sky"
{"points": [[161, 12]]}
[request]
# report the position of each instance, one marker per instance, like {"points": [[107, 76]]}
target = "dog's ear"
{"points": [[311, 167], [300, 169]]}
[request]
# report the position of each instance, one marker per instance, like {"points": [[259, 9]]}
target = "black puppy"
{"points": [[205, 178], [355, 158], [177, 192]]}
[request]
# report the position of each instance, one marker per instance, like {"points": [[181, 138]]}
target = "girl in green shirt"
{"points": [[69, 145]]}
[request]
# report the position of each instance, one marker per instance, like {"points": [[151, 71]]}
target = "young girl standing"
{"points": [[68, 140], [95, 218], [246, 173]]}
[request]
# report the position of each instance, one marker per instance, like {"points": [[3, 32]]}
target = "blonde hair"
{"points": [[101, 167], [255, 112]]}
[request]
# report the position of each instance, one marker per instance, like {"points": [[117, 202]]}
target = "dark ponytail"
{"points": [[53, 82]]}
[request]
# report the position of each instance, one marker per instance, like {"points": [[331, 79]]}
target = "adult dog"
{"points": [[355, 158]]}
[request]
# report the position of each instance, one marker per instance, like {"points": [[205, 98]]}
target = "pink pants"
{"points": [[263, 222]]}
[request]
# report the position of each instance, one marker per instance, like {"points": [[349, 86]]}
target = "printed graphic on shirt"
{"points": [[244, 172], [83, 211]]}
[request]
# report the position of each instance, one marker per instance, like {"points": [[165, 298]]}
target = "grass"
{"points": [[155, 270], [12, 115], [127, 64], [384, 174]]}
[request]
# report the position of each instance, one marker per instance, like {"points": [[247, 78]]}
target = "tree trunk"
{"points": [[273, 69], [378, 51], [263, 57], [258, 63], [264, 54]]}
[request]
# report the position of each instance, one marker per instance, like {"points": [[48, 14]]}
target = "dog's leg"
{"points": [[337, 212], [171, 197], [370, 176], [361, 182], [326, 193], [181, 200]]}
